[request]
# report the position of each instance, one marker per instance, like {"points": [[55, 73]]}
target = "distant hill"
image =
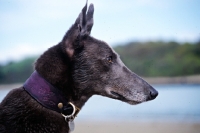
{"points": [[161, 58], [149, 59], [15, 72]]}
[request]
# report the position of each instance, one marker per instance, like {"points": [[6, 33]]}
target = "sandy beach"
{"points": [[136, 127]]}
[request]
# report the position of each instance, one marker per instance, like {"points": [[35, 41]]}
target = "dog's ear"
{"points": [[85, 21], [79, 30]]}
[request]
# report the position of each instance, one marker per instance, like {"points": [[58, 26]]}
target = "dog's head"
{"points": [[98, 69]]}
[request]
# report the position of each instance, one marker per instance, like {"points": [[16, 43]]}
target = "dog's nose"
{"points": [[153, 93]]}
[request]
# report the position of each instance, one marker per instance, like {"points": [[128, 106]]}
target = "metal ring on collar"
{"points": [[71, 116]]}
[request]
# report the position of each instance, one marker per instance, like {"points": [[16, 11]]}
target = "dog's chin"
{"points": [[133, 102], [122, 98]]}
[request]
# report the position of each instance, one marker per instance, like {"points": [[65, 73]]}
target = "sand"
{"points": [[136, 127]]}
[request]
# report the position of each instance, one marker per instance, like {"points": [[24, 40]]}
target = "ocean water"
{"points": [[177, 102]]}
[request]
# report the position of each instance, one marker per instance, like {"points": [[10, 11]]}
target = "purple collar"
{"points": [[49, 96]]}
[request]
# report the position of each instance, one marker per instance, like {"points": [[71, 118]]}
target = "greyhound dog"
{"points": [[65, 77]]}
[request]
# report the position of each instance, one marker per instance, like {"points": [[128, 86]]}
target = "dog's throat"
{"points": [[49, 96]]}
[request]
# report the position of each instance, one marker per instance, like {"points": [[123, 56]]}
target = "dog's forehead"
{"points": [[100, 46], [109, 51]]}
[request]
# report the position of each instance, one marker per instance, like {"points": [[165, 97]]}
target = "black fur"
{"points": [[80, 66]]}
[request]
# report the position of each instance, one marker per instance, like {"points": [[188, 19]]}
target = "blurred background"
{"points": [[157, 39]]}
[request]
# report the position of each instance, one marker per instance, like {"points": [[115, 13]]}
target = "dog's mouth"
{"points": [[122, 98], [119, 96]]}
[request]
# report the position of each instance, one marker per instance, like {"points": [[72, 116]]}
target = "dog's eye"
{"points": [[109, 59]]}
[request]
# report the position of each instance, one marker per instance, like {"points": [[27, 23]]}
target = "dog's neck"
{"points": [[49, 96], [81, 101], [57, 71]]}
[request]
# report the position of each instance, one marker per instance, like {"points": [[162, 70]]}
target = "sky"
{"points": [[29, 27]]}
